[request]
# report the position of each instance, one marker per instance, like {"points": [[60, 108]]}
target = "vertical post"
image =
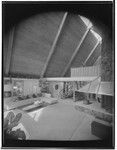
{"points": [[74, 91], [10, 52]]}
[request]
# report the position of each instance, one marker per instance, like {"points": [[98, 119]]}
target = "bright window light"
{"points": [[97, 35], [86, 21]]}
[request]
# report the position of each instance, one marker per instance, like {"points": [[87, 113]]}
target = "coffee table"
{"points": [[34, 106]]}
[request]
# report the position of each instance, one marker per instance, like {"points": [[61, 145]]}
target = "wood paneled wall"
{"points": [[33, 40], [85, 71], [68, 41], [85, 49], [91, 61]]}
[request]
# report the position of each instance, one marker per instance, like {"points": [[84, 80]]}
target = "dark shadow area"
{"points": [[66, 144], [15, 12]]}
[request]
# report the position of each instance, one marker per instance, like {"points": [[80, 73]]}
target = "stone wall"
{"points": [[107, 55], [107, 67]]}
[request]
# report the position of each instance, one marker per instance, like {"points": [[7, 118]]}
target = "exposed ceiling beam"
{"points": [[58, 79], [29, 79], [10, 51], [54, 44], [91, 53], [99, 57], [76, 51], [71, 78]]}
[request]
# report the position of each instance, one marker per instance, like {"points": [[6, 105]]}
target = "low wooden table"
{"points": [[34, 106]]}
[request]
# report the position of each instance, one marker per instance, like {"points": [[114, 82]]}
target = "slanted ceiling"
{"points": [[44, 45]]}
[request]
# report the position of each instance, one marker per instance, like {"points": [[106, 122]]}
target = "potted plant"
{"points": [[10, 122]]}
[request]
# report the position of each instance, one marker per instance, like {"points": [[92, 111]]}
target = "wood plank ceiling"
{"points": [[44, 44]]}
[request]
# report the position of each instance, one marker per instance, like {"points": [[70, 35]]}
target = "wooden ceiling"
{"points": [[44, 44]]}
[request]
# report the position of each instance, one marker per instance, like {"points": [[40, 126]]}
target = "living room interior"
{"points": [[58, 73]]}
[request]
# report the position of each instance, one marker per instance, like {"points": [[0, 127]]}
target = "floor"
{"points": [[59, 121], [62, 122]]}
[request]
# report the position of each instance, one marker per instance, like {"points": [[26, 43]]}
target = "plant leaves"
{"points": [[17, 118], [10, 116], [6, 122]]}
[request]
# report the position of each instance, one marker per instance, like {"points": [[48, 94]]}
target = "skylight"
{"points": [[88, 23], [97, 35]]}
